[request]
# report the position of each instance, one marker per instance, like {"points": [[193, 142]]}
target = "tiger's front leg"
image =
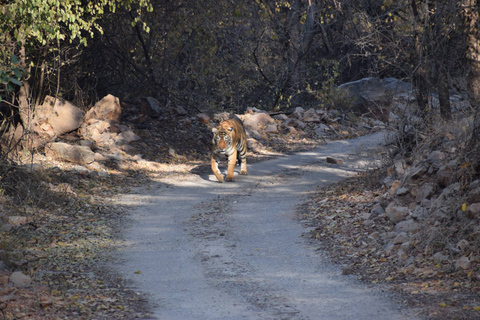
{"points": [[216, 171], [232, 160]]}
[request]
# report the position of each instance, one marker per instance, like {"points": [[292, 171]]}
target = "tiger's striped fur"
{"points": [[229, 140]]}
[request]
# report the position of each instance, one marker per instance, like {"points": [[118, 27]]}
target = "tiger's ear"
{"points": [[230, 129], [214, 130]]}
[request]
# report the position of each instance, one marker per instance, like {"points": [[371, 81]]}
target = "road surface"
{"points": [[208, 250]]}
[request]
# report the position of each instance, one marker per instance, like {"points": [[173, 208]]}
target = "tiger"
{"points": [[230, 140]]}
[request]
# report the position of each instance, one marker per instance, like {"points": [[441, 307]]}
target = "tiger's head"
{"points": [[223, 138]]}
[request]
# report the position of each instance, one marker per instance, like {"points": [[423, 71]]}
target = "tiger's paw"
{"points": [[244, 173], [230, 179]]}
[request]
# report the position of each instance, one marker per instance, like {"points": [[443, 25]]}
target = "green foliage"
{"points": [[35, 29], [11, 75], [47, 21]]}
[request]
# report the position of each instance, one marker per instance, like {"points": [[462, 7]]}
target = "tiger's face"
{"points": [[223, 139]]}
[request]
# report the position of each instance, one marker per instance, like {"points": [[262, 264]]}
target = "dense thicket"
{"points": [[230, 55]]}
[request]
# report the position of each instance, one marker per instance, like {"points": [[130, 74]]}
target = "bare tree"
{"points": [[471, 27]]}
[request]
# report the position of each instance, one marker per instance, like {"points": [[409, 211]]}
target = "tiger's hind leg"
{"points": [[243, 166], [242, 161]]}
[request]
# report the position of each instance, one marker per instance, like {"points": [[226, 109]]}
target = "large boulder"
{"points": [[257, 121], [372, 96], [56, 116], [61, 151], [107, 109]]}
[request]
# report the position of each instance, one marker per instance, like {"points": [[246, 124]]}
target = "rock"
{"points": [[203, 118], [402, 237], [474, 195], [334, 160], [368, 223], [179, 111], [400, 167], [19, 279], [475, 184], [418, 172], [419, 213], [310, 113], [281, 117], [439, 257], [425, 191], [107, 109], [426, 203], [395, 185], [439, 215], [463, 245], [58, 115], [463, 263], [127, 137], [310, 116], [290, 122], [100, 157], [301, 125], [298, 113], [405, 246], [150, 107], [402, 255], [17, 220], [291, 130], [372, 95], [80, 169], [407, 226], [61, 151], [46, 301], [258, 120], [401, 191], [94, 128], [271, 128], [377, 211], [390, 248], [396, 213], [473, 210], [87, 143], [436, 156], [311, 119]]}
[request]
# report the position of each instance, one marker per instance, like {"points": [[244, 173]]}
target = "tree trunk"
{"points": [[471, 19], [24, 105], [420, 74], [444, 96]]}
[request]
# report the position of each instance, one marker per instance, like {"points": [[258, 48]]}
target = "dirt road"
{"points": [[205, 250]]}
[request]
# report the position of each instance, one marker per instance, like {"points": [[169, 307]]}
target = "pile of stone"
{"points": [[426, 206], [94, 136]]}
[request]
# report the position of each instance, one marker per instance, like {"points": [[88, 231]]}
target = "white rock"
{"points": [[17, 220], [19, 279], [107, 109], [272, 128], [407, 226], [463, 263], [402, 237], [396, 213]]}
